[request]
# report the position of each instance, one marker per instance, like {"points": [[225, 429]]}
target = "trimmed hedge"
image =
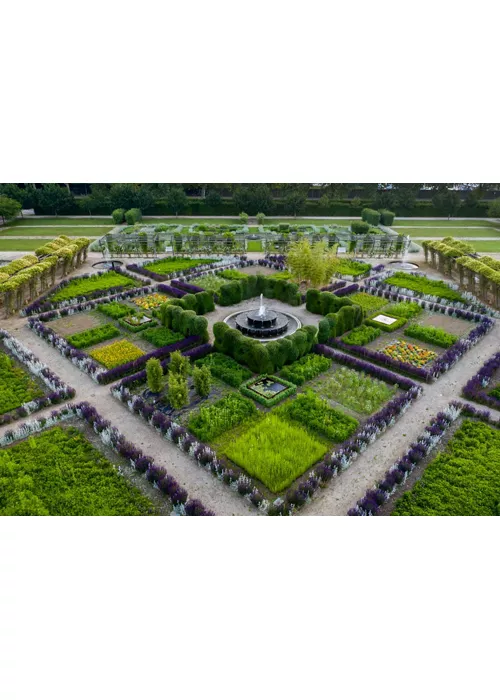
{"points": [[268, 403], [361, 336], [225, 368], [237, 290], [259, 357], [92, 336], [360, 227], [324, 302], [372, 216], [184, 321], [431, 334], [333, 325], [386, 217]]}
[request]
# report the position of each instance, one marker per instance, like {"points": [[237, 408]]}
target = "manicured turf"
{"points": [[61, 221], [483, 232], [53, 231], [60, 473], [254, 246], [433, 223], [487, 246], [21, 244], [88, 285]]}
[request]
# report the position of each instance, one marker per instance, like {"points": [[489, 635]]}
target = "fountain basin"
{"points": [[263, 327], [400, 265]]}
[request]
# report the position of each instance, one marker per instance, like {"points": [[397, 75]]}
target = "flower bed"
{"points": [[267, 389], [86, 364], [152, 301], [226, 368], [161, 336], [431, 334], [367, 301], [317, 415], [92, 336], [356, 390], [404, 352], [296, 496], [420, 284], [345, 291], [256, 451], [476, 388], [404, 309], [114, 310], [361, 335], [58, 390], [441, 365], [305, 369], [211, 421], [418, 451], [77, 290], [117, 353], [110, 436]]}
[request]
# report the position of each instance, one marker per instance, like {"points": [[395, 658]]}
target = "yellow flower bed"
{"points": [[151, 301], [116, 354]]}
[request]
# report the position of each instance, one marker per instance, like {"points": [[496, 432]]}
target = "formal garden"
{"points": [[272, 375]]}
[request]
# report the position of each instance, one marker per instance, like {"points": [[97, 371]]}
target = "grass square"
{"points": [[276, 452], [16, 385], [116, 354]]}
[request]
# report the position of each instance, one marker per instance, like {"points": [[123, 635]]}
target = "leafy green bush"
{"points": [[92, 336], [367, 301], [315, 413], [431, 334], [132, 216], [115, 310], [387, 217], [361, 336], [324, 302], [372, 216], [232, 275], [464, 479], [177, 390], [360, 227], [404, 309], [161, 336], [211, 421], [154, 373], [355, 390], [423, 285], [179, 364], [353, 268], [202, 380], [59, 472], [256, 451], [16, 385], [86, 285], [225, 368], [185, 322], [306, 368], [118, 216]]}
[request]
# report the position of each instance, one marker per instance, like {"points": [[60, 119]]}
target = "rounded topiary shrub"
{"points": [[118, 216]]}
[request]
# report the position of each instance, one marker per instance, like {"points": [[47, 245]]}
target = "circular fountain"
{"points": [[402, 265], [262, 323]]}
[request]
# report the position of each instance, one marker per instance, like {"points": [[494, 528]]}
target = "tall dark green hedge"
{"points": [[263, 357], [334, 324], [185, 321], [324, 302], [387, 217], [237, 290], [372, 216]]}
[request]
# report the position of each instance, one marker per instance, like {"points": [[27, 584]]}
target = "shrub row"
{"points": [[431, 334], [324, 302], [361, 336], [184, 321], [476, 388], [236, 291], [259, 357], [372, 216], [333, 325], [92, 336], [201, 302], [226, 368]]}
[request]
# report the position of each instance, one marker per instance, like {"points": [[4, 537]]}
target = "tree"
{"points": [[123, 196], [406, 195], [447, 201], [384, 199], [179, 364], [254, 198], [324, 201], [154, 373], [9, 208], [314, 264], [295, 202], [55, 198], [177, 392], [260, 218], [176, 199], [494, 209], [213, 199], [243, 217], [202, 380]]}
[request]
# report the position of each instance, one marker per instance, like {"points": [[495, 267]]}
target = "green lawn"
{"points": [[452, 223], [62, 221], [53, 232], [487, 246], [20, 244], [254, 246], [462, 232]]}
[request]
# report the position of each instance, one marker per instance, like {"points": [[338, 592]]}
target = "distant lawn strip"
{"points": [[257, 451], [487, 246], [254, 246], [81, 287], [92, 336], [431, 334], [225, 368], [60, 473], [19, 244], [439, 223], [423, 285], [463, 480], [53, 232], [61, 221], [16, 385], [486, 231]]}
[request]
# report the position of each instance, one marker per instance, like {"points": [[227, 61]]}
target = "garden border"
{"points": [[161, 277], [111, 437], [474, 388], [385, 489], [59, 390]]}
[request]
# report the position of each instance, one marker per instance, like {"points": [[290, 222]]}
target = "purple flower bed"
{"points": [[42, 304], [475, 389], [375, 497], [86, 364], [332, 287], [185, 287], [111, 436], [442, 363], [147, 273], [277, 262], [58, 390], [171, 291], [350, 289]]}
